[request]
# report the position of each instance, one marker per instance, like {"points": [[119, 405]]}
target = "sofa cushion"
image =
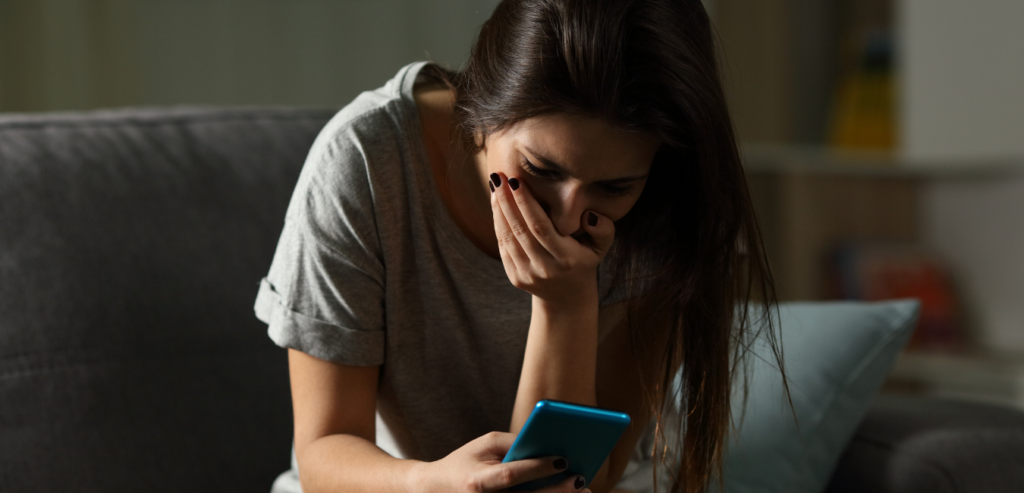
{"points": [[131, 242], [913, 444], [836, 355]]}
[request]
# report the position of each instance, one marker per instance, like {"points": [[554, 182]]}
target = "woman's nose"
{"points": [[566, 210]]}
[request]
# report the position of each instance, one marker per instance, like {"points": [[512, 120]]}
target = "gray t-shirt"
{"points": [[372, 270]]}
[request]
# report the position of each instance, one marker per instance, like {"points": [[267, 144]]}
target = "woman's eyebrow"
{"points": [[555, 167]]}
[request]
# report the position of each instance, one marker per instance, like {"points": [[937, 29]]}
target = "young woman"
{"points": [[566, 218]]}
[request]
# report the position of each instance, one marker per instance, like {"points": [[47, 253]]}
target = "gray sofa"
{"points": [[131, 245]]}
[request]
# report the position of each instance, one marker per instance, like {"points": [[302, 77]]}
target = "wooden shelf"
{"points": [[808, 203], [821, 160], [811, 199]]}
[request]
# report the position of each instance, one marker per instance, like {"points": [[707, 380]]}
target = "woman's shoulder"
{"points": [[366, 148], [373, 139], [388, 111]]}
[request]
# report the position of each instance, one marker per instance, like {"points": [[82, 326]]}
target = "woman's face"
{"points": [[573, 164]]}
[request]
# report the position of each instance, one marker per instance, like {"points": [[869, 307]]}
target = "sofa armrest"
{"points": [[911, 444]]}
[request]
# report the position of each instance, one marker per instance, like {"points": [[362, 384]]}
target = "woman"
{"points": [[565, 219]]}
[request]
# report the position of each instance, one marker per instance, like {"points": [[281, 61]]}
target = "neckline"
{"points": [[441, 217]]}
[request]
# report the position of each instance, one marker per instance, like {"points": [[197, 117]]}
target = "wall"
{"points": [[962, 65], [756, 60], [962, 94], [978, 226], [81, 54]]}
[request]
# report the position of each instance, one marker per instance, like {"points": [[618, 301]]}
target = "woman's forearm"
{"points": [[561, 364], [561, 356], [351, 464]]}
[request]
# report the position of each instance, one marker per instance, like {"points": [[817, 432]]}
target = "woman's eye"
{"points": [[611, 190], [616, 191], [539, 172]]}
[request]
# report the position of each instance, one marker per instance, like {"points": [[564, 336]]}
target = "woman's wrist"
{"points": [[419, 477], [565, 320], [570, 304]]}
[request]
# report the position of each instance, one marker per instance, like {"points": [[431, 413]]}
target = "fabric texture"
{"points": [[130, 245], [371, 269], [836, 356], [916, 444]]}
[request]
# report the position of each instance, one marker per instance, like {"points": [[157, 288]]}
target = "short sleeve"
{"points": [[324, 293]]}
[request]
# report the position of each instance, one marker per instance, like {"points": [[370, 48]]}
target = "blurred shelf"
{"points": [[987, 377], [822, 160]]}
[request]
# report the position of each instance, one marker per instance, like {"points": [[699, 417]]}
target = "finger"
{"points": [[519, 226], [572, 483], [512, 255], [508, 474], [537, 222], [601, 230], [495, 444]]}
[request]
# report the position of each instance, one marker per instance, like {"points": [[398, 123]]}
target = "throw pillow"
{"points": [[837, 354]]}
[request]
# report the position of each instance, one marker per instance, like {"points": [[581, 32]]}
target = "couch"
{"points": [[131, 246]]}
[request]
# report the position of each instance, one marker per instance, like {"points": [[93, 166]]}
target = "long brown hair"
{"points": [[647, 65]]}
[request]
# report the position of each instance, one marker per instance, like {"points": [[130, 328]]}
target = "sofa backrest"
{"points": [[131, 246]]}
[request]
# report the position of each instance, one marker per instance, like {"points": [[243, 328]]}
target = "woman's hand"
{"points": [[537, 257], [476, 467]]}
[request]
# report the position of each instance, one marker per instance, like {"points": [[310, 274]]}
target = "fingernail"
{"points": [[495, 179], [514, 183], [559, 463], [579, 482], [492, 186], [592, 219]]}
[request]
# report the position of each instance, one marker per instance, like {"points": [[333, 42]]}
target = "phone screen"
{"points": [[584, 435]]}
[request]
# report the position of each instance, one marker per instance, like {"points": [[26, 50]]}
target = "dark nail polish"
{"points": [[592, 219], [514, 183], [492, 186], [559, 463], [579, 482], [496, 180]]}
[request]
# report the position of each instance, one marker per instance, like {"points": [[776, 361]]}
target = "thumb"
{"points": [[495, 443], [601, 230]]}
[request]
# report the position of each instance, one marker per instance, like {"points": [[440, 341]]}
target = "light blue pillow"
{"points": [[837, 354]]}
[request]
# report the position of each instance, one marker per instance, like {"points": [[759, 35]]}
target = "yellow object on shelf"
{"points": [[864, 116]]}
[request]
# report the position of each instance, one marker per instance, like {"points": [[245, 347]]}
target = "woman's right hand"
{"points": [[476, 467]]}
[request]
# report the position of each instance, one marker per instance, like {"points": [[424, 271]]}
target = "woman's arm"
{"points": [[561, 273], [619, 384], [562, 355], [335, 408]]}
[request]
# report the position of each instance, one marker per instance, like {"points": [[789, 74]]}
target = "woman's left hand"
{"points": [[539, 259]]}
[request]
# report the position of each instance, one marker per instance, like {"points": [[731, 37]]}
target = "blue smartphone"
{"points": [[584, 435]]}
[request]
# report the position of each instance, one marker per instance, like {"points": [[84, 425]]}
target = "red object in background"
{"points": [[873, 272]]}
